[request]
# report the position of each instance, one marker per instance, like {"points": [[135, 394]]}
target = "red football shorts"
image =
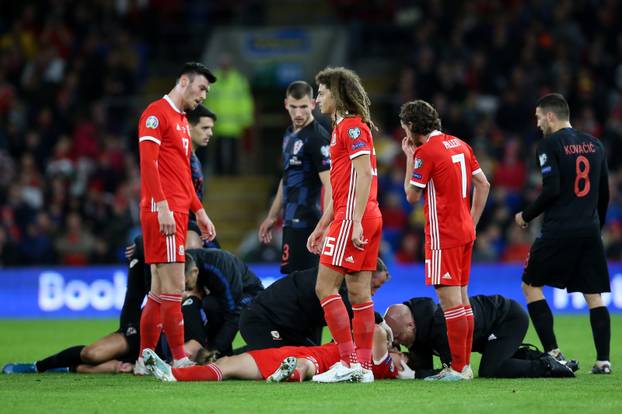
{"points": [[448, 267], [268, 360], [339, 253], [158, 247]]}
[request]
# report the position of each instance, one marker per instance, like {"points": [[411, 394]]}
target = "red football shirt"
{"points": [[443, 167], [351, 138], [166, 126]]}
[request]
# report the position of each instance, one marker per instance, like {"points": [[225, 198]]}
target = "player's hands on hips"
{"points": [[358, 239], [408, 147], [316, 241], [265, 230], [165, 218], [208, 230], [520, 221]]}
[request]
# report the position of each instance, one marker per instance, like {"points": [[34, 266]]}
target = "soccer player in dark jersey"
{"points": [[500, 327], [288, 312], [201, 121], [569, 253], [306, 165], [225, 286]]}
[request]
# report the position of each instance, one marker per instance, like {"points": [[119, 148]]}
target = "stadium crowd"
{"points": [[69, 76]]}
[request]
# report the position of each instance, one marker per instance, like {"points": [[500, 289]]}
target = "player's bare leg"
{"points": [[601, 332], [109, 347], [109, 367]]}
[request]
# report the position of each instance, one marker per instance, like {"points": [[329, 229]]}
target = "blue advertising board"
{"points": [[98, 291]]}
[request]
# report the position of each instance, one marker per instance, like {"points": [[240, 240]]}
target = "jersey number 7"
{"points": [[459, 159]]}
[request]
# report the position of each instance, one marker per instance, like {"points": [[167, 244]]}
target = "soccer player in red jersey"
{"points": [[348, 235], [443, 168], [290, 363], [167, 194]]}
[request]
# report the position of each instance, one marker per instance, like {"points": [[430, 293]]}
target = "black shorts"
{"points": [[132, 336], [576, 264], [260, 333], [294, 253]]}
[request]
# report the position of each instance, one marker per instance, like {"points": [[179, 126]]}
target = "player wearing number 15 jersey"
{"points": [[442, 168], [569, 253]]}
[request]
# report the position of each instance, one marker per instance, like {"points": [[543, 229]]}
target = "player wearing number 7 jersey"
{"points": [[443, 168], [569, 253]]}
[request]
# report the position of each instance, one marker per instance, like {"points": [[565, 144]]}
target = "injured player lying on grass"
{"points": [[290, 363]]}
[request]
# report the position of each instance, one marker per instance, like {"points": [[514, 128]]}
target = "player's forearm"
{"points": [[277, 203], [362, 188], [327, 216], [408, 174], [196, 205], [328, 195], [544, 200], [480, 195]]}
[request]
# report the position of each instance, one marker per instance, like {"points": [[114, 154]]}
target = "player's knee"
{"points": [[359, 297], [90, 355], [593, 300]]}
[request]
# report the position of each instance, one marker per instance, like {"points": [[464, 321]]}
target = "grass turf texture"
{"points": [[29, 340]]}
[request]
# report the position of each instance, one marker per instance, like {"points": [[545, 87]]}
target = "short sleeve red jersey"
{"points": [[351, 138], [166, 126], [443, 166]]}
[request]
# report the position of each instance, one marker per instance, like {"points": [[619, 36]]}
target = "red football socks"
{"points": [[150, 323], [173, 323], [209, 372], [338, 323], [457, 329], [471, 326], [363, 324]]}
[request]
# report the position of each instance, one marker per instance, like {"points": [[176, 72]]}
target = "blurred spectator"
{"points": [[231, 99], [75, 243]]}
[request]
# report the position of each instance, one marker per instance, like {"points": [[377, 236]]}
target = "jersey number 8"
{"points": [[583, 171]]}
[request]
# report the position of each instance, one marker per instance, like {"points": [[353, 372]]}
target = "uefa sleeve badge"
{"points": [[152, 122], [354, 133]]}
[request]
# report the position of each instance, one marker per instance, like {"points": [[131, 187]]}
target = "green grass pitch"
{"points": [[70, 393]]}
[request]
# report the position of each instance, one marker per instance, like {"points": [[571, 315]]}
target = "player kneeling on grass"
{"points": [[290, 363], [501, 325]]}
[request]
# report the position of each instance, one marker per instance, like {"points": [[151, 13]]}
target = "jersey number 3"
{"points": [[582, 179]]}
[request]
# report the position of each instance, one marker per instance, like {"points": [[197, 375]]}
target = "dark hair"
{"points": [[299, 89], [190, 263], [555, 103], [421, 115], [381, 267], [199, 112], [348, 92], [196, 68]]}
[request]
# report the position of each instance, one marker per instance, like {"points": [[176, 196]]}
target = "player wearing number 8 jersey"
{"points": [[569, 253], [442, 168]]}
